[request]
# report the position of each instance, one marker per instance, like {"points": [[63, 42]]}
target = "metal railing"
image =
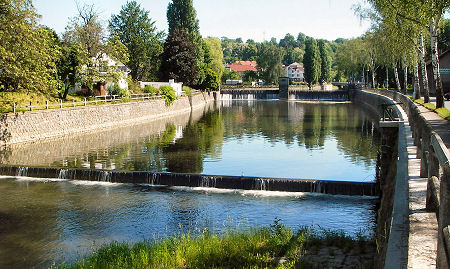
{"points": [[85, 102]]}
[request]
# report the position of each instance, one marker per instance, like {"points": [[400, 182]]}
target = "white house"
{"points": [[295, 71], [177, 86]]}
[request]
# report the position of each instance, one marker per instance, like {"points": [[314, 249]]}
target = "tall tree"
{"points": [[138, 33], [325, 60], [216, 55], [269, 62], [28, 52], [178, 58], [311, 62]]}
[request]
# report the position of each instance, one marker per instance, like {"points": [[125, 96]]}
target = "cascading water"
{"points": [[22, 172]]}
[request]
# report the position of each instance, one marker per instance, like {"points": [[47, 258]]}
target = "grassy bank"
{"points": [[273, 247]]}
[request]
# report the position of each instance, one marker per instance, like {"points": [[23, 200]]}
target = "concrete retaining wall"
{"points": [[37, 125]]}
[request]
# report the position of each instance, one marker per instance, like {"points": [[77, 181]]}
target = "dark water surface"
{"points": [[44, 221]]}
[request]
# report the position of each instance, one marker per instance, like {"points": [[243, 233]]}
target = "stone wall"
{"points": [[37, 125]]}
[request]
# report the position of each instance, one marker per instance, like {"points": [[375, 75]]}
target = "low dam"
{"points": [[195, 180], [293, 94]]}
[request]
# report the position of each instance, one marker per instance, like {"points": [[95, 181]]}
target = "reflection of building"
{"points": [[444, 66], [295, 72]]}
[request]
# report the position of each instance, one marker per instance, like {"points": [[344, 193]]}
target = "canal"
{"points": [[53, 220]]}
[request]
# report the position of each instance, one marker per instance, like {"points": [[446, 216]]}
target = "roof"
{"points": [[251, 63], [295, 66], [242, 68]]}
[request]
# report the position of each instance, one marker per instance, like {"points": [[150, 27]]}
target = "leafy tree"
{"points": [[250, 76], [269, 62], [214, 48], [28, 52], [178, 58], [325, 74], [293, 55], [227, 75], [311, 62], [70, 64], [211, 81], [136, 30], [288, 41]]}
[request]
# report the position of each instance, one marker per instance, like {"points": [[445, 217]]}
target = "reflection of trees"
{"points": [[201, 139], [308, 124]]}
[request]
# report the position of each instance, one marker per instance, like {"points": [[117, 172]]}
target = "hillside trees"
{"points": [[137, 31], [28, 52]]}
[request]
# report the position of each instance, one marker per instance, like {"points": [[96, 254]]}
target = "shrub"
{"points": [[211, 82], [168, 94], [187, 90], [114, 89], [151, 90]]}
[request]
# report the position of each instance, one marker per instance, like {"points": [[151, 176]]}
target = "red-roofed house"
{"points": [[242, 66]]}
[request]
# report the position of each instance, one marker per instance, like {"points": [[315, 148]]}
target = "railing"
{"points": [[435, 165], [85, 102]]}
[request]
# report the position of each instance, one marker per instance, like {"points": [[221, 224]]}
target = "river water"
{"points": [[44, 221]]}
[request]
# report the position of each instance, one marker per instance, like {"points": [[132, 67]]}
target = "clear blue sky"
{"points": [[255, 19]]}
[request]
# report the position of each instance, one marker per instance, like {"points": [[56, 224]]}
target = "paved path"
{"points": [[446, 103]]}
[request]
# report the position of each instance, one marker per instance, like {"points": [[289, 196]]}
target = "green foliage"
{"points": [[187, 90], [151, 90], [138, 33], [311, 62], [227, 75], [114, 89], [211, 82], [325, 74], [69, 66], [168, 94], [269, 63], [252, 248], [250, 76], [214, 47], [178, 58], [28, 52]]}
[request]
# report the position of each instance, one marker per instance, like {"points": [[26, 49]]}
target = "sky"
{"points": [[248, 19]]}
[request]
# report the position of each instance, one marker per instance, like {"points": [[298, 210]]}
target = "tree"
{"points": [[227, 75], [269, 62], [215, 54], [293, 55], [136, 30], [211, 81], [311, 62], [28, 52], [69, 66], [178, 58], [325, 59], [288, 41]]}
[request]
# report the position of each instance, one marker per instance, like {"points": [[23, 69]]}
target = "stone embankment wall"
{"points": [[37, 125]]}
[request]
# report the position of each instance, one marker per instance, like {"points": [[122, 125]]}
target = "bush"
{"points": [[151, 90], [168, 94], [187, 90], [114, 89], [211, 82]]}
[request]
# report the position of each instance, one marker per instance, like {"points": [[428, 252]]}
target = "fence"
{"points": [[435, 163], [97, 100]]}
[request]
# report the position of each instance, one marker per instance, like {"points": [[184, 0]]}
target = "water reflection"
{"points": [[258, 138]]}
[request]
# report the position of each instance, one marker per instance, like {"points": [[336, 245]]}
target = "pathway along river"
{"points": [[44, 221]]}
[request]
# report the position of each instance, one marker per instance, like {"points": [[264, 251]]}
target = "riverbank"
{"points": [[275, 246], [25, 127]]}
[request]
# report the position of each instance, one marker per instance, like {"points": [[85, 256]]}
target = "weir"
{"points": [[197, 180], [293, 95]]}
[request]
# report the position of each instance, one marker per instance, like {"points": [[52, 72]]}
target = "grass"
{"points": [[255, 248], [442, 112]]}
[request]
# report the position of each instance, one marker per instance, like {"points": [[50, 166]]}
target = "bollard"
{"points": [[31, 106], [73, 102], [14, 107], [95, 99], [60, 103], [84, 101], [46, 104]]}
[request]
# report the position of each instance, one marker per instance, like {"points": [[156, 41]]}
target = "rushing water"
{"points": [[44, 221]]}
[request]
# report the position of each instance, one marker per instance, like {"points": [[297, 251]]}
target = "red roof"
{"points": [[242, 68]]}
